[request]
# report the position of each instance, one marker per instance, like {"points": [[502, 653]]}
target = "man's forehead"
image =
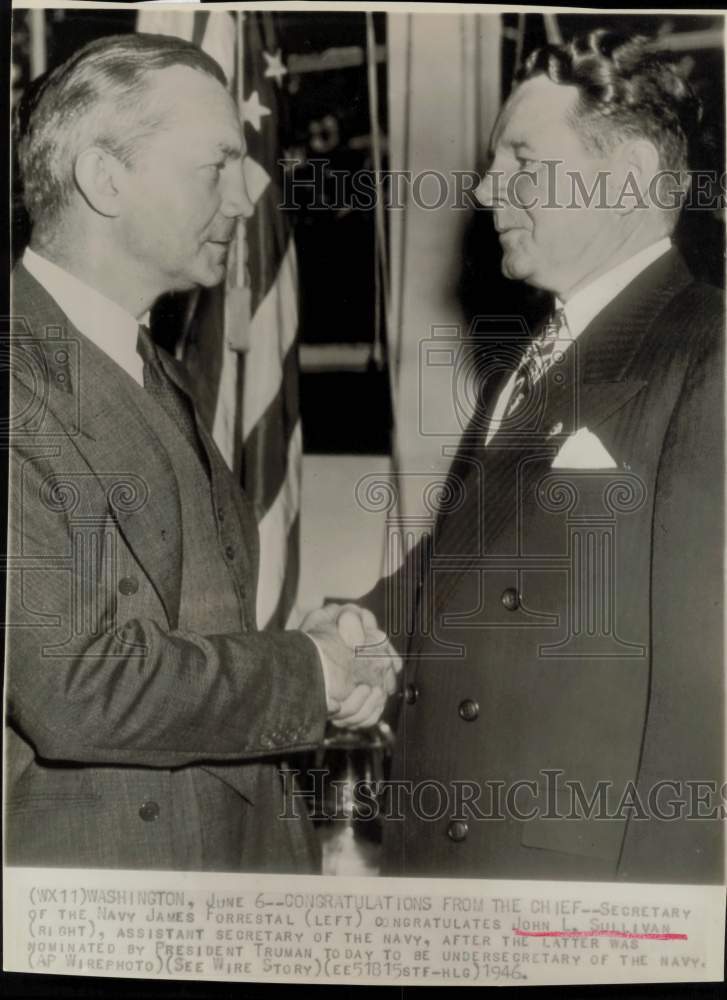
{"points": [[197, 102], [534, 107], [184, 79], [190, 90]]}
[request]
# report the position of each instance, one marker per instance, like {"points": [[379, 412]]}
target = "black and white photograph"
{"points": [[366, 478]]}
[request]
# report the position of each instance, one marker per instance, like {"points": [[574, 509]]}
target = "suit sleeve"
{"points": [[135, 694], [685, 725]]}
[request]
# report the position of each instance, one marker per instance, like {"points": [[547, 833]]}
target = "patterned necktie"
{"points": [[158, 384], [538, 357]]}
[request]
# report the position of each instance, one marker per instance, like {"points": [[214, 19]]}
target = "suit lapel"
{"points": [[130, 466], [616, 350], [606, 367]]}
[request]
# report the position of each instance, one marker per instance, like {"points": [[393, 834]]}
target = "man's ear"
{"points": [[97, 176], [639, 165]]}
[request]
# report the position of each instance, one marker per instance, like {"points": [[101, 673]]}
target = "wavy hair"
{"points": [[625, 90]]}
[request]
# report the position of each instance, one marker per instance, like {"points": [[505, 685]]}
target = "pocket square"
{"points": [[583, 450]]}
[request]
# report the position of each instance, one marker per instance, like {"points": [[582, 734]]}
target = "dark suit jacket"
{"points": [[131, 740], [568, 622]]}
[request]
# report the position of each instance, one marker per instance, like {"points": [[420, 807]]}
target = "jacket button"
{"points": [[510, 599], [149, 811], [230, 552], [457, 830], [469, 710], [220, 514], [128, 586], [410, 694]]}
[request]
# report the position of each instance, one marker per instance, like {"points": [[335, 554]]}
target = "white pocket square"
{"points": [[583, 450]]}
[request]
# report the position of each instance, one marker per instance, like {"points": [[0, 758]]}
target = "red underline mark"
{"points": [[584, 934]]}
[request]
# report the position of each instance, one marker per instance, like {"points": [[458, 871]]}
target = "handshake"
{"points": [[360, 666]]}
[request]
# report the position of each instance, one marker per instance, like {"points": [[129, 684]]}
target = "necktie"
{"points": [[538, 357], [158, 384]]}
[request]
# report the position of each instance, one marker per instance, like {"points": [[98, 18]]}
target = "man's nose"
{"points": [[489, 193], [236, 199]]}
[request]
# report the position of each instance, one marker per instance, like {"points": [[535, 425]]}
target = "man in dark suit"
{"points": [[145, 712], [562, 707]]}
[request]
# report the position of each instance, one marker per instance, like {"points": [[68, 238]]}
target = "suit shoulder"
{"points": [[693, 320], [31, 415], [703, 303]]}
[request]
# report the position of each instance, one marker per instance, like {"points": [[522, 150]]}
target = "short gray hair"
{"points": [[95, 98]]}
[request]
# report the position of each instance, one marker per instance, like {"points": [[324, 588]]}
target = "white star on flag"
{"points": [[274, 66], [253, 110]]}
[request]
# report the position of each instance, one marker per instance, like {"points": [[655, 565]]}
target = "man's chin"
{"points": [[210, 276], [517, 267]]}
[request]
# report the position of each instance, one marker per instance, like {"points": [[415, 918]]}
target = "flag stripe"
{"points": [[286, 601], [272, 437], [201, 20], [217, 36], [265, 447], [273, 330], [268, 230], [274, 528], [180, 23], [223, 428]]}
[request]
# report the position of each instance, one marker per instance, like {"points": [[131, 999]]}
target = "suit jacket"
{"points": [[133, 741], [566, 648]]}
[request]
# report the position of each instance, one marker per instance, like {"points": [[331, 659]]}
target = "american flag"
{"points": [[240, 343]]}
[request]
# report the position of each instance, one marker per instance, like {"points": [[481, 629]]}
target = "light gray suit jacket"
{"points": [[131, 740]]}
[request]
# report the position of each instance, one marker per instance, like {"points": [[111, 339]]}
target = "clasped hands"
{"points": [[360, 665]]}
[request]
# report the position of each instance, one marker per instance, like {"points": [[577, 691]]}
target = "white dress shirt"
{"points": [[108, 325], [583, 307]]}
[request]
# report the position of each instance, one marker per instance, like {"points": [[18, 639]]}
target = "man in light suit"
{"points": [[562, 709], [146, 715]]}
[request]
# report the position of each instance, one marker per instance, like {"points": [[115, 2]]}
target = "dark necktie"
{"points": [[158, 384], [538, 357]]}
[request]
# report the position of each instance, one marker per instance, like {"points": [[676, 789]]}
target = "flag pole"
{"points": [[381, 263], [239, 16], [553, 33], [237, 285], [38, 55]]}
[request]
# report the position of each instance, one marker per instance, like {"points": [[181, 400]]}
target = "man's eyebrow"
{"points": [[516, 145]]}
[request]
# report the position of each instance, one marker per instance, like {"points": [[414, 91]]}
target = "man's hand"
{"points": [[359, 664]]}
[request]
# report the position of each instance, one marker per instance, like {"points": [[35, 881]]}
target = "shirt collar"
{"points": [[106, 324], [589, 301]]}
